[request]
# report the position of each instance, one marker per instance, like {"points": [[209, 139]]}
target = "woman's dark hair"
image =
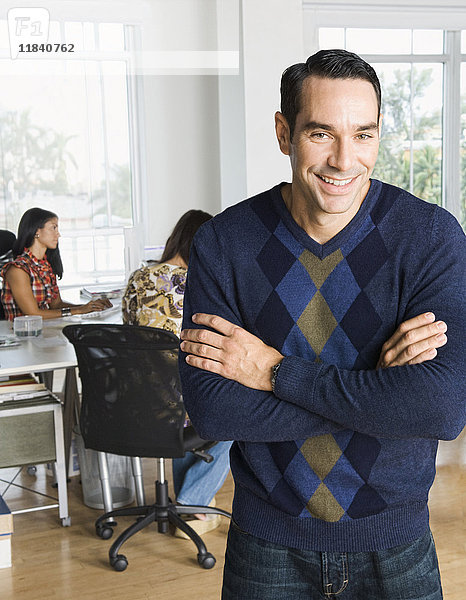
{"points": [[32, 220], [330, 64], [182, 236]]}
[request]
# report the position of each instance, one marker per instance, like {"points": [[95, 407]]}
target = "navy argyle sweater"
{"points": [[342, 456]]}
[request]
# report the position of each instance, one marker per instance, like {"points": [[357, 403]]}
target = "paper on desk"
{"points": [[9, 341], [23, 396]]}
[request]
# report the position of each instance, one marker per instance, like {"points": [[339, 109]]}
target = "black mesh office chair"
{"points": [[132, 405]]}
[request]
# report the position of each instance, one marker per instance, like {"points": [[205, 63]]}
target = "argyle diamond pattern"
{"points": [[318, 309], [320, 269], [275, 260], [317, 322], [324, 506], [363, 270], [321, 454], [274, 330]]}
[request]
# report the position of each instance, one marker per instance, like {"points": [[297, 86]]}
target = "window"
{"points": [[65, 144], [463, 130], [424, 107]]}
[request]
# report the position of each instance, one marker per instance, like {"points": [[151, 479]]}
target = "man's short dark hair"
{"points": [[330, 64]]}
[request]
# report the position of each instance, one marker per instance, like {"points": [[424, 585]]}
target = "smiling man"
{"points": [[291, 296]]}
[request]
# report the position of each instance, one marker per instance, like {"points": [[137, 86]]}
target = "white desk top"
{"points": [[32, 355]]}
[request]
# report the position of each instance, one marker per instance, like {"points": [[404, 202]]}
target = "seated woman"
{"points": [[30, 279], [154, 298]]}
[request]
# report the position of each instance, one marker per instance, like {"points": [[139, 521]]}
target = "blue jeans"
{"points": [[259, 570], [197, 482]]}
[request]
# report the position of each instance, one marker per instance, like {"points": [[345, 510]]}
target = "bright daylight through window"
{"points": [[64, 145], [411, 66]]}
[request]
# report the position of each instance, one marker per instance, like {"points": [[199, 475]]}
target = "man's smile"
{"points": [[337, 182]]}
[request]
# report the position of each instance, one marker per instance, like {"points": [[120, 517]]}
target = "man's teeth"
{"points": [[336, 181]]}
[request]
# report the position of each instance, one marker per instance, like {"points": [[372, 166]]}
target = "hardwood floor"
{"points": [[70, 563]]}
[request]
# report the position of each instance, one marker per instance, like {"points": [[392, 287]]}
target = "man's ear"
{"points": [[380, 125], [282, 130]]}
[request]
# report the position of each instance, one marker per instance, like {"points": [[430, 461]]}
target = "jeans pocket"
{"points": [[235, 526]]}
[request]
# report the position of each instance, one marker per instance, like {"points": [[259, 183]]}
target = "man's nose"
{"points": [[342, 155]]}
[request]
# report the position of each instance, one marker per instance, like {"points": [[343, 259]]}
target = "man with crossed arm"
{"points": [[291, 295]]}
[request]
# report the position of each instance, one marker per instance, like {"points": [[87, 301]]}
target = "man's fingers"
{"points": [[420, 358], [399, 342], [410, 354], [214, 322], [411, 324], [203, 336], [421, 335], [203, 363], [201, 350]]}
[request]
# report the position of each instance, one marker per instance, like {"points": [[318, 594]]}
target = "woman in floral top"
{"points": [[30, 280], [154, 298]]}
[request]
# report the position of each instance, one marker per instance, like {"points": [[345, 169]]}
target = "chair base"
{"points": [[164, 512]]}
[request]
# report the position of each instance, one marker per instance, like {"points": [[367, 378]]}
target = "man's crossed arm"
{"points": [[236, 354]]}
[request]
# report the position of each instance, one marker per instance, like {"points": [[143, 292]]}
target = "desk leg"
{"points": [[46, 377], [61, 468], [70, 410]]}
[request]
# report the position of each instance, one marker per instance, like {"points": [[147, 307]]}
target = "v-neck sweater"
{"points": [[341, 456]]}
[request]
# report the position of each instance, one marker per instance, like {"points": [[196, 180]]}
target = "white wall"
{"points": [[272, 40], [181, 116], [232, 140], [182, 144]]}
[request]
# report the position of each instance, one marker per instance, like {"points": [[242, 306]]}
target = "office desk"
{"points": [[31, 357]]}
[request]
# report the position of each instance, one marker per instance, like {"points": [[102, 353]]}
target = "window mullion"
{"points": [[452, 124], [411, 129], [135, 95]]}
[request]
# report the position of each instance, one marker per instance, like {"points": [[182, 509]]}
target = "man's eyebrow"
{"points": [[316, 125], [326, 127], [367, 127]]}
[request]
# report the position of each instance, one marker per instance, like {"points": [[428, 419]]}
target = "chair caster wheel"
{"points": [[66, 521], [104, 531], [207, 561], [31, 470], [119, 563]]}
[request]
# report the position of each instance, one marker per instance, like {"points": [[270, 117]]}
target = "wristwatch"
{"points": [[275, 370], [66, 311]]}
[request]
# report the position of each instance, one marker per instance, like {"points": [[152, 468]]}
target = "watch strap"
{"points": [[275, 370]]}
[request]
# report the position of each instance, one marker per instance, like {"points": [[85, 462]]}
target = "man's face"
{"points": [[334, 146]]}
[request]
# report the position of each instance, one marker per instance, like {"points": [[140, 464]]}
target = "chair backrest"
{"points": [[131, 392], [7, 239]]}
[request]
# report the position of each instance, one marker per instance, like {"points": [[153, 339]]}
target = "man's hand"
{"points": [[413, 342], [232, 353]]}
